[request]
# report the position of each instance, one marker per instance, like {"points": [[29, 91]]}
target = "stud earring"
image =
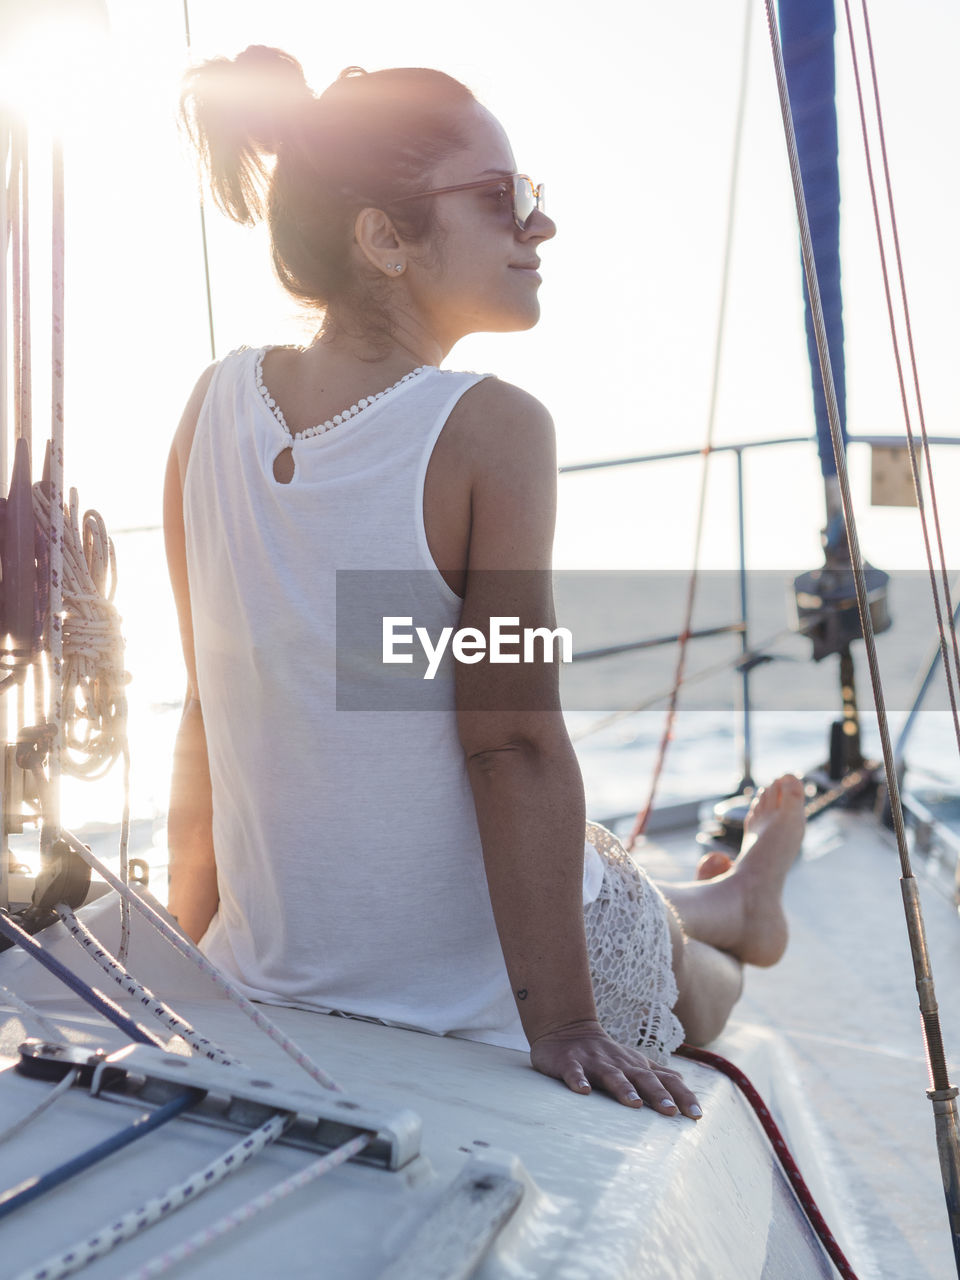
{"points": [[394, 266]]}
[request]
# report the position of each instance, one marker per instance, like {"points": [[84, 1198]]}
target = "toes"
{"points": [[713, 864], [791, 788]]}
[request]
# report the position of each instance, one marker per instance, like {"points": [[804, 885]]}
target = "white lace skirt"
{"points": [[631, 957]]}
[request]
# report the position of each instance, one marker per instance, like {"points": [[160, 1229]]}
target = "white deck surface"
{"points": [[611, 1193], [844, 1001]]}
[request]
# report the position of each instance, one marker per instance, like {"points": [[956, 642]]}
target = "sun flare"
{"points": [[53, 62]]}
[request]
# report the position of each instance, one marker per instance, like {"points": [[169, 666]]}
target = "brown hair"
{"points": [[368, 139]]}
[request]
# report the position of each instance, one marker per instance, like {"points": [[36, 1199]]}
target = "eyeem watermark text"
{"points": [[469, 644]]}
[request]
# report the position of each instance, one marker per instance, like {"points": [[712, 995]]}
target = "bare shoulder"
{"points": [[494, 417]]}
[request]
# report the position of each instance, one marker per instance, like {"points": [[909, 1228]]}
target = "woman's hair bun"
{"points": [[239, 111]]}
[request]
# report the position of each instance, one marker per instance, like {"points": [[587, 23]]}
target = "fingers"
{"points": [[633, 1086], [627, 1075], [575, 1078], [684, 1097]]}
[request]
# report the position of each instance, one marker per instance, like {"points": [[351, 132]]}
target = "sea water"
{"points": [[617, 747]]}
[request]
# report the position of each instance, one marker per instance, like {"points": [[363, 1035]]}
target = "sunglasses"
{"points": [[527, 198]]}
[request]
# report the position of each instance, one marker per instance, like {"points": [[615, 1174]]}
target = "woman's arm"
{"points": [[526, 781], [193, 875]]}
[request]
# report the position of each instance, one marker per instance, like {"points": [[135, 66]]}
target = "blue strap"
{"points": [[90, 994], [24, 1192]]}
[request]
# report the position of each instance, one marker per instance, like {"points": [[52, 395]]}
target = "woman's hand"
{"points": [[583, 1055]]}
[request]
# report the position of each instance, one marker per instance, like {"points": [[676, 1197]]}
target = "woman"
{"points": [[421, 861]]}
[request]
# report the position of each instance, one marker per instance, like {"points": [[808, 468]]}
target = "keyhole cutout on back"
{"points": [[283, 466]]}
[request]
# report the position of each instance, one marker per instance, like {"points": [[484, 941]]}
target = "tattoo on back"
{"points": [[522, 993]]}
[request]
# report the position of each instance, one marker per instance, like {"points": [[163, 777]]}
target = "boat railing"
{"points": [[740, 625]]}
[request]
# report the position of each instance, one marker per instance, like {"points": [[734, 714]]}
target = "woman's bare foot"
{"points": [[739, 910], [772, 836], [713, 864]]}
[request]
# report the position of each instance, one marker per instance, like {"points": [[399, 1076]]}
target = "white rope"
{"points": [[220, 979], [50, 1032], [59, 1090], [47, 1028], [92, 683], [132, 1223], [151, 1003], [51, 824], [164, 1261], [5, 141]]}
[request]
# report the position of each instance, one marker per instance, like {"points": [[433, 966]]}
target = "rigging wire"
{"points": [[752, 655], [194, 954], [44, 1025], [207, 1235], [943, 1095], [6, 144], [96, 999], [895, 339], [643, 816], [203, 217], [130, 1224], [59, 1090], [143, 995], [32, 1188]]}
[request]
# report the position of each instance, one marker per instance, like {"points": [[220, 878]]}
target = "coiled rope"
{"points": [[93, 681], [90, 692]]}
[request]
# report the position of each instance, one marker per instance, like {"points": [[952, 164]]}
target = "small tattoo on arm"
{"points": [[522, 993]]}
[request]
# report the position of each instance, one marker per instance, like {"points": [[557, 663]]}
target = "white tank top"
{"points": [[348, 855]]}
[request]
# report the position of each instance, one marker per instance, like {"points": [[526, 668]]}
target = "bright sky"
{"points": [[627, 113]]}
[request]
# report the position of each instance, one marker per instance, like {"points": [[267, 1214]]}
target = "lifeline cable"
{"points": [[207, 1235], [777, 1141], [145, 997], [193, 953], [136, 1220], [32, 1188], [96, 999], [757, 653], [942, 1094]]}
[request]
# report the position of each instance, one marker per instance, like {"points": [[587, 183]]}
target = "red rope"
{"points": [[777, 1141]]}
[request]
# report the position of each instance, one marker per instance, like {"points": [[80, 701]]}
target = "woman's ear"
{"points": [[378, 240]]}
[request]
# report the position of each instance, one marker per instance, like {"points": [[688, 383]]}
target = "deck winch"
{"points": [[827, 612]]}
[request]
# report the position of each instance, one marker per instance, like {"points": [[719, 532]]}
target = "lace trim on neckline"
{"points": [[344, 416]]}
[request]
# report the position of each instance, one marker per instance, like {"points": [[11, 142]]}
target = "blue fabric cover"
{"points": [[806, 32]]}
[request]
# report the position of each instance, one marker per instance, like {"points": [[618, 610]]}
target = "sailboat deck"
{"points": [[844, 1004], [608, 1192]]}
